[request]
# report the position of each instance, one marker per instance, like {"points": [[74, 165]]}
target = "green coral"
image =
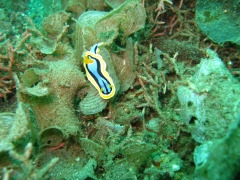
{"points": [[214, 158], [219, 20]]}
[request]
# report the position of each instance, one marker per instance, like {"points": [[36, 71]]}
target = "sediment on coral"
{"points": [[58, 100], [174, 102], [200, 96], [27, 169], [213, 157]]}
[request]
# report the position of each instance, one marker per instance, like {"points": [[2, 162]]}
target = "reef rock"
{"points": [[210, 102]]}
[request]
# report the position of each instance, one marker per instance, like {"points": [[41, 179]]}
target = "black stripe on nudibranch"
{"points": [[95, 49], [100, 74], [95, 67]]}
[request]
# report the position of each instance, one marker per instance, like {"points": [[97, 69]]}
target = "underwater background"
{"points": [[119, 89]]}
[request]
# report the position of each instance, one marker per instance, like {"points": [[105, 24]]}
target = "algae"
{"points": [[219, 20], [175, 99]]}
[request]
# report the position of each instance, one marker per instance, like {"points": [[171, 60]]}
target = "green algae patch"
{"points": [[219, 20], [30, 77], [212, 158], [137, 153], [93, 149]]}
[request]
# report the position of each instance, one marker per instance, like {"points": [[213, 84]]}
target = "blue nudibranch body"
{"points": [[96, 72]]}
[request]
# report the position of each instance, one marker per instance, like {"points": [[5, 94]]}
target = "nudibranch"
{"points": [[95, 68]]}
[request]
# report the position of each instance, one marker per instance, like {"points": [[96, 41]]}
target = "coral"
{"points": [[6, 119], [222, 15], [49, 91], [132, 151], [124, 67], [153, 80], [53, 23], [117, 155], [184, 49], [30, 77], [27, 166], [96, 26], [113, 3], [172, 18], [47, 82], [96, 4], [165, 103], [52, 43], [121, 169], [59, 97], [74, 6], [7, 80], [50, 137], [92, 103], [212, 158], [86, 33], [212, 81], [14, 127], [161, 8], [165, 164], [93, 149], [127, 19], [88, 170]]}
